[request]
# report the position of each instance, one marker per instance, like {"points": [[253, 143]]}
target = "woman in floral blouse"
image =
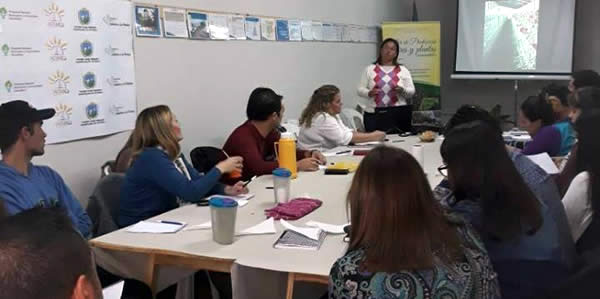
{"points": [[402, 245]]}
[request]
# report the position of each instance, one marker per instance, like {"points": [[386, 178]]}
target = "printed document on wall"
{"points": [[77, 59]]}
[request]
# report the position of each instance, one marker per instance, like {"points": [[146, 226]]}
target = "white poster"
{"points": [[174, 22], [218, 26], [253, 28], [236, 27], [75, 58], [267, 28], [295, 30], [307, 33], [317, 31]]}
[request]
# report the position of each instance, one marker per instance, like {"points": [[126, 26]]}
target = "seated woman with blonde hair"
{"points": [[321, 126], [159, 176], [402, 244]]}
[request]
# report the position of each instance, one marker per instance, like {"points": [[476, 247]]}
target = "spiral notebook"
{"points": [[290, 239]]}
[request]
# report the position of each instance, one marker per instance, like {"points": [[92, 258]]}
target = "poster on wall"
{"points": [[147, 21], [198, 25], [76, 58], [174, 22], [253, 28], [267, 28], [283, 30], [420, 52]]}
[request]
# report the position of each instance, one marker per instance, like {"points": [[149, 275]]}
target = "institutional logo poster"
{"points": [[76, 57]]}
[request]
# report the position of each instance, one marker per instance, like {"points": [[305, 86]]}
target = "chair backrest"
{"points": [[103, 207], [204, 158], [107, 168], [352, 119]]}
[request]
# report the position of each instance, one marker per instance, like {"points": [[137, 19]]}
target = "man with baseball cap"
{"points": [[23, 185]]}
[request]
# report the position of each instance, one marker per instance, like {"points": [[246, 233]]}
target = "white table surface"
{"points": [[257, 251]]}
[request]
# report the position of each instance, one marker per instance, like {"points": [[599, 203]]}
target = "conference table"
{"points": [[163, 259]]}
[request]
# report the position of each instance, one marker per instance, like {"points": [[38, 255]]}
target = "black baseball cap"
{"points": [[16, 114]]}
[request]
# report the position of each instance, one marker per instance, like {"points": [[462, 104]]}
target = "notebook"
{"points": [[290, 239]]}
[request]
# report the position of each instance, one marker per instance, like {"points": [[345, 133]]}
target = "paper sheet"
{"points": [[307, 33], [236, 27], [545, 162], [155, 227], [205, 225], [174, 22], [337, 153], [329, 228], [317, 31], [242, 200], [267, 28], [263, 228], [218, 26], [295, 30], [253, 28], [114, 291], [370, 143], [312, 233]]}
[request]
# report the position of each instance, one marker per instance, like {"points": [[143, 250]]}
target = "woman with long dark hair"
{"points": [[518, 229], [402, 245], [385, 83], [582, 200], [537, 118]]}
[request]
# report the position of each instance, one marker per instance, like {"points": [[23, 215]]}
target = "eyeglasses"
{"points": [[443, 170]]}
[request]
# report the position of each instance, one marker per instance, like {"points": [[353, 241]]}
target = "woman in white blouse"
{"points": [[385, 83], [321, 126], [582, 200]]}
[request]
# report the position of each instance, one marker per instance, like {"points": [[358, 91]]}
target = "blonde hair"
{"points": [[154, 127], [322, 97]]}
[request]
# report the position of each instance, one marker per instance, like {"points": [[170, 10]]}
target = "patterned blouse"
{"points": [[472, 277]]}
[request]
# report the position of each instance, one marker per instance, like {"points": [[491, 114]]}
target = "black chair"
{"points": [[204, 158], [103, 207]]}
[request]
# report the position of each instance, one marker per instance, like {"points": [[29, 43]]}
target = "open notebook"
{"points": [[290, 239]]}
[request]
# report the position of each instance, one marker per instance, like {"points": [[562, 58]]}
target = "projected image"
{"points": [[511, 34]]}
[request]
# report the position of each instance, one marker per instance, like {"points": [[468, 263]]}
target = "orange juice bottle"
{"points": [[285, 150]]}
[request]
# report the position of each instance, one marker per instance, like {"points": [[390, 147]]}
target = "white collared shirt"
{"points": [[326, 131]]}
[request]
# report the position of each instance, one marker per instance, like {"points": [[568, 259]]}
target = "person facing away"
{"points": [[255, 139], [582, 199], [402, 244], [583, 99], [539, 182], [24, 185], [536, 117], [557, 96], [518, 229], [321, 126], [385, 83], [160, 175], [584, 78], [43, 256]]}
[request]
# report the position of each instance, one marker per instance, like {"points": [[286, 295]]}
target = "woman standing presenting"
{"points": [[385, 83]]}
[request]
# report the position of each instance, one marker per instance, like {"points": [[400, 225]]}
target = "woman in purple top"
{"points": [[536, 117]]}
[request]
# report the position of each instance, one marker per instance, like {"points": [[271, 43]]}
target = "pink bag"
{"points": [[294, 209]]}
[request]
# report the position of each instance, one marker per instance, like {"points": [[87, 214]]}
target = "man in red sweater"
{"points": [[255, 139]]}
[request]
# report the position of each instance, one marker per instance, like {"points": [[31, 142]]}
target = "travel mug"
{"points": [[222, 215], [281, 184]]}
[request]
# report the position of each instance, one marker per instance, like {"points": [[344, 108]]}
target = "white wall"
{"points": [[207, 83]]}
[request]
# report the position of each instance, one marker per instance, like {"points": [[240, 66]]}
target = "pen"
{"points": [[343, 152], [269, 187], [248, 182], [170, 222]]}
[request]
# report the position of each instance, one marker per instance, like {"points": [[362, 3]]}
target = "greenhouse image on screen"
{"points": [[511, 34]]}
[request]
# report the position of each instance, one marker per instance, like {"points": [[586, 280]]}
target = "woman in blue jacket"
{"points": [[159, 177]]}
